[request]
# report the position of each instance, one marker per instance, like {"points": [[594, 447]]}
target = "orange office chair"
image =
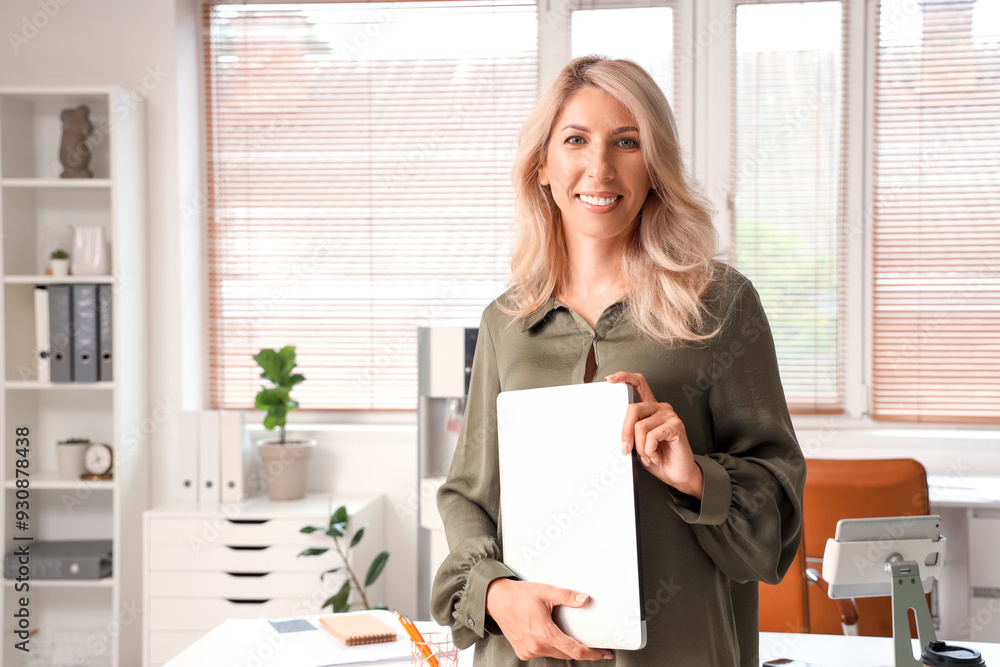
{"points": [[784, 607], [851, 489], [841, 489]]}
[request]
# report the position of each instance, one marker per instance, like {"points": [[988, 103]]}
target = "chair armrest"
{"points": [[848, 608]]}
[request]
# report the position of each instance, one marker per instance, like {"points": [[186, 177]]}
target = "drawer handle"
{"points": [[247, 548], [248, 600], [249, 522], [248, 574]]}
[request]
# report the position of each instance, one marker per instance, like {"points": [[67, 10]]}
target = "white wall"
{"points": [[151, 46]]}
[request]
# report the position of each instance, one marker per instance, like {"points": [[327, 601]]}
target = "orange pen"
{"points": [[415, 635]]}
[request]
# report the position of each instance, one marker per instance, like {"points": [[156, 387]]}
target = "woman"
{"points": [[614, 279]]}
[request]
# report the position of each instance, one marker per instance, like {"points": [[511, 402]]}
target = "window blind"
{"points": [[936, 212], [359, 163], [788, 186]]}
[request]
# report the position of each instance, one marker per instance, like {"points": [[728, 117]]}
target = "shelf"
{"points": [[56, 280], [107, 582], [50, 480], [72, 386], [56, 182]]}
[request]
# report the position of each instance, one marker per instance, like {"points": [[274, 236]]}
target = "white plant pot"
{"points": [[286, 467], [71, 456], [60, 267]]}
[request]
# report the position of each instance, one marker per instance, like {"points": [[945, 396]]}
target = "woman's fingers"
{"points": [[574, 650], [633, 419], [638, 382]]}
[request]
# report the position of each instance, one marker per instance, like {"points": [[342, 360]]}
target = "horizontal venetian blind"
{"points": [[788, 186], [359, 165], [936, 212]]}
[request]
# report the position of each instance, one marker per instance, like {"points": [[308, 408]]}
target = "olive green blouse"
{"points": [[701, 561]]}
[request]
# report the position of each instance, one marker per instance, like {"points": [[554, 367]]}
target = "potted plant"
{"points": [[286, 462], [59, 262], [337, 529], [70, 457]]}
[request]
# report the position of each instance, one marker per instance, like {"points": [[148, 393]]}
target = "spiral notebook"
{"points": [[356, 629]]}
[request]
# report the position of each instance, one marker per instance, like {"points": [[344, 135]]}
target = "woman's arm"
{"points": [[469, 503], [749, 519]]}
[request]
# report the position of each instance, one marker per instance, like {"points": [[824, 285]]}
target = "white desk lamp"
{"points": [[897, 556]]}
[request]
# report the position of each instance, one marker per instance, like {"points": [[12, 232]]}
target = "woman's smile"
{"points": [[599, 203]]}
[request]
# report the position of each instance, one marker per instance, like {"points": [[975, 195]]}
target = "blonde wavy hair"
{"points": [[670, 264]]}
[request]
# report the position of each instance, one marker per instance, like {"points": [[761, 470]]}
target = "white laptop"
{"points": [[568, 507]]}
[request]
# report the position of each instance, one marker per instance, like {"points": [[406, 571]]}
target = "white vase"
{"points": [[90, 252]]}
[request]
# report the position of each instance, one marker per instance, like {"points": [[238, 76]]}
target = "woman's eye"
{"points": [[572, 140], [628, 142]]}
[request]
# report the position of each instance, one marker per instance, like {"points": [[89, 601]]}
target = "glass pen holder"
{"points": [[439, 644]]}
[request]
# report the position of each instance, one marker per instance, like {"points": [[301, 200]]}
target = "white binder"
{"points": [[209, 457], [187, 456], [236, 455], [568, 509], [42, 332]]}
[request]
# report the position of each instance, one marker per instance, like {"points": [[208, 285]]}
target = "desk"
{"points": [[237, 642], [969, 587]]}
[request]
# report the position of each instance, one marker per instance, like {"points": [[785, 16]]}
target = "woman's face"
{"points": [[594, 166]]}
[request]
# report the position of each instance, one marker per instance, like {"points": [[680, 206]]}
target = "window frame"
{"points": [[705, 84]]}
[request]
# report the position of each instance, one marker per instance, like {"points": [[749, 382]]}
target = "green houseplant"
{"points": [[286, 461], [337, 529], [59, 262]]}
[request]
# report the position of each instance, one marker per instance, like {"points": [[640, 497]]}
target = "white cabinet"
{"points": [[211, 561], [92, 622], [983, 624]]}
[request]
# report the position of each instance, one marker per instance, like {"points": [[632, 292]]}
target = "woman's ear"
{"points": [[543, 178]]}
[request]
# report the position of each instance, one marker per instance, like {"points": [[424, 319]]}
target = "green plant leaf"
{"points": [[311, 529], [358, 535], [336, 569], [314, 551], [339, 601], [339, 516], [337, 530], [376, 568]]}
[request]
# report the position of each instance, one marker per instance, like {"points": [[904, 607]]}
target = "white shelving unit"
{"points": [[99, 622]]}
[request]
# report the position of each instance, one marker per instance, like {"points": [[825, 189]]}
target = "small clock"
{"points": [[97, 461]]}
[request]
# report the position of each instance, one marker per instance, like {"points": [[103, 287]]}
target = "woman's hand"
{"points": [[523, 610], [659, 438]]}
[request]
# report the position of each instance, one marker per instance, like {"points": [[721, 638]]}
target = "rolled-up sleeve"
{"points": [[469, 503], [749, 520]]}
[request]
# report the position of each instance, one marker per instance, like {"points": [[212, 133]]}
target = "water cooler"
{"points": [[444, 367]]}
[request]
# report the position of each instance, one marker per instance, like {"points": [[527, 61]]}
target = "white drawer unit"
{"points": [[208, 562], [984, 548]]}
